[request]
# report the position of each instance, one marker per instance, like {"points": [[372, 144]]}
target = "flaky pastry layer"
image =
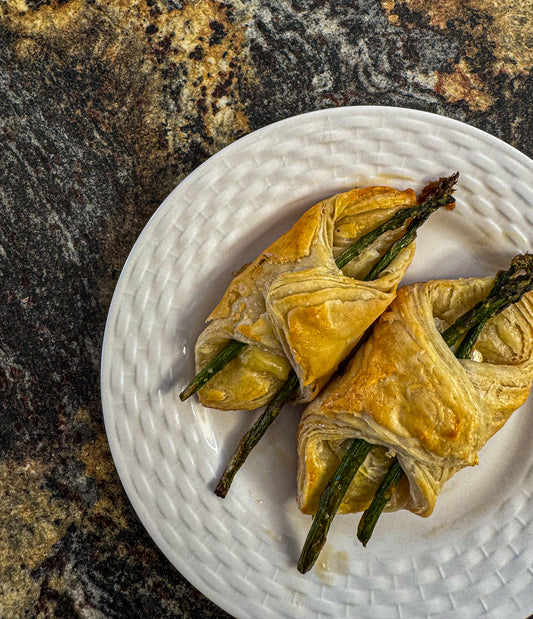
{"points": [[407, 393]]}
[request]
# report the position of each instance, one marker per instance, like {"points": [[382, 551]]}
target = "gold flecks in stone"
{"points": [[165, 82], [437, 14], [138, 43], [507, 26], [463, 86], [512, 33], [388, 6], [18, 590], [97, 459], [99, 466], [110, 506], [31, 522]]}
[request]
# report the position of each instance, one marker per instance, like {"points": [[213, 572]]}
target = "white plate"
{"points": [[474, 556]]}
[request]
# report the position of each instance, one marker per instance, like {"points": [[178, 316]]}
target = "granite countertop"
{"points": [[105, 106]]}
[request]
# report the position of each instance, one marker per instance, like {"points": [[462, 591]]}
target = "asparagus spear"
{"points": [[330, 502], [401, 243], [433, 196], [219, 361], [381, 498], [252, 437], [439, 195], [508, 288]]}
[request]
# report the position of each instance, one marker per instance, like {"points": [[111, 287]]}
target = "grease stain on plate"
{"points": [[331, 563]]}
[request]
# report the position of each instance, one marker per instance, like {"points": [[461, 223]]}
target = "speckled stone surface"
{"points": [[104, 107]]}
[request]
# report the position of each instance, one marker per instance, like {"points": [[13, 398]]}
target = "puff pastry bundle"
{"points": [[407, 394], [295, 309]]}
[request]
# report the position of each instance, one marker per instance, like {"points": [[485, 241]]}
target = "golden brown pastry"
{"points": [[407, 393], [295, 308]]}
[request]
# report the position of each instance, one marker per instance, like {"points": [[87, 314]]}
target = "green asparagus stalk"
{"points": [[397, 221], [435, 194], [401, 243], [465, 348], [508, 288], [330, 502], [252, 437], [381, 498], [229, 352]]}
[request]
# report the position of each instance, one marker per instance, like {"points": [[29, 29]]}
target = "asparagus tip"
{"points": [[439, 188], [255, 433], [303, 568], [361, 535], [221, 491], [310, 553]]}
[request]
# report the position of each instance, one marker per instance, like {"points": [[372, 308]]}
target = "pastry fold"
{"points": [[296, 309], [406, 392]]}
